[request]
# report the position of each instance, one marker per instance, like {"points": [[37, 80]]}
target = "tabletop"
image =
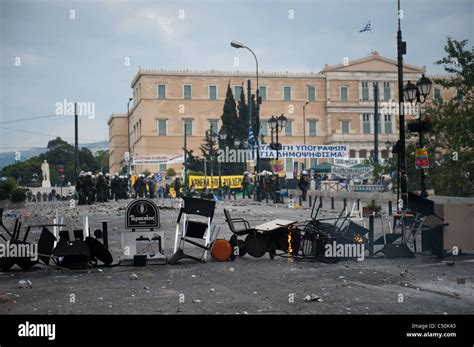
{"points": [[274, 224]]}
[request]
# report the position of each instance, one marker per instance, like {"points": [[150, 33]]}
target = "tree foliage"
{"points": [[59, 154], [450, 141]]}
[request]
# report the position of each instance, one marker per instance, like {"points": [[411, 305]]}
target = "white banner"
{"points": [[352, 172], [306, 151], [158, 159]]}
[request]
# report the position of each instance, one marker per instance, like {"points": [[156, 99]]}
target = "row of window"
{"points": [[213, 92], [386, 91], [288, 92], [288, 131]]}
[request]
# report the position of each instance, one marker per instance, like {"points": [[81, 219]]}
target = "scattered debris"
{"points": [[100, 270], [255, 293], [231, 269], [312, 297], [212, 290], [25, 284], [245, 312], [193, 276], [145, 287], [134, 276], [196, 301]]}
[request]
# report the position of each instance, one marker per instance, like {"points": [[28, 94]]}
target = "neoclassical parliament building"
{"points": [[340, 109]]}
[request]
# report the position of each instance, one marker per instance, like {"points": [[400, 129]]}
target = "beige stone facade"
{"points": [[340, 109]]}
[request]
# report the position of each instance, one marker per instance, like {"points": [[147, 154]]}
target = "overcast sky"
{"points": [[83, 58]]}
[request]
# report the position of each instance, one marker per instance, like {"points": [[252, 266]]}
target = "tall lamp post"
{"points": [[277, 125], [214, 138], [304, 128], [237, 44], [223, 136], [129, 144], [185, 158], [401, 50], [237, 147], [418, 93]]}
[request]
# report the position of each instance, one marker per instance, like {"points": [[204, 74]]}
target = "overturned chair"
{"points": [[190, 230]]}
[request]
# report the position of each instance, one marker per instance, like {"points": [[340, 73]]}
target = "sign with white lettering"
{"points": [[305, 151], [351, 172], [142, 213], [157, 159]]}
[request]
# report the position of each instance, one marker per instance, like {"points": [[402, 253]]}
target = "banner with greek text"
{"points": [[306, 151], [352, 172], [232, 181]]}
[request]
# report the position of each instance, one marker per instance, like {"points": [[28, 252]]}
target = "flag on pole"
{"points": [[366, 28], [158, 178], [251, 139]]}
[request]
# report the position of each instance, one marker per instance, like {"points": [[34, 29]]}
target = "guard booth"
{"points": [[142, 243]]}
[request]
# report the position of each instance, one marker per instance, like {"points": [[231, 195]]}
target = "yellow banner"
{"points": [[232, 181]]}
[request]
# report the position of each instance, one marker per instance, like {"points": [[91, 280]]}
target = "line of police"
{"points": [[91, 188]]}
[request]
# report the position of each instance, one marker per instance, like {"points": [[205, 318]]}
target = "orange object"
{"points": [[221, 250]]}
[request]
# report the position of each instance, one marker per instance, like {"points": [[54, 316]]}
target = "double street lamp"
{"points": [[276, 125], [418, 94]]}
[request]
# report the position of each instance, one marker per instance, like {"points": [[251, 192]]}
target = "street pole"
{"points": [[76, 140], [304, 128], [277, 188], [423, 192], [401, 50], [205, 174], [128, 137], [376, 123], [249, 111], [185, 158]]}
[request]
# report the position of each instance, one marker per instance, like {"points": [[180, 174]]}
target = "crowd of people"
{"points": [[92, 188]]}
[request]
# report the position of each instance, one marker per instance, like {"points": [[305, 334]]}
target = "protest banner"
{"points": [[305, 151], [352, 172], [231, 181]]}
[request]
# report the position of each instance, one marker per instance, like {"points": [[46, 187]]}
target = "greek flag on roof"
{"points": [[366, 28], [158, 177]]}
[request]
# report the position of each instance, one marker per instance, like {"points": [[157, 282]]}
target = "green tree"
{"points": [[230, 121], [450, 141], [209, 151]]}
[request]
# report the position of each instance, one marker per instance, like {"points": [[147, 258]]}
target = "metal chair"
{"points": [[188, 229]]}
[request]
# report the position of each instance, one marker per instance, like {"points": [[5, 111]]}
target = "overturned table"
{"points": [[270, 236]]}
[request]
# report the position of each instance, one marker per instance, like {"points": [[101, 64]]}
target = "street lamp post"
{"points": [[304, 128], [401, 50], [237, 147], [223, 136], [129, 144], [418, 95], [277, 124], [213, 140], [185, 159], [237, 44]]}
